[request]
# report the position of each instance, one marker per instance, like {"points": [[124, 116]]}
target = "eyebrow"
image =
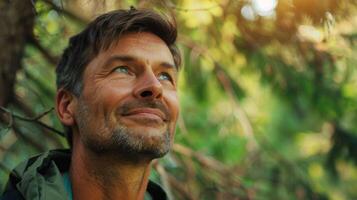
{"points": [[128, 58]]}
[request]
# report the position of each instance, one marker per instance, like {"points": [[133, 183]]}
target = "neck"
{"points": [[96, 176]]}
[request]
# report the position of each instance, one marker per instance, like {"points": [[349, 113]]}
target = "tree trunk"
{"points": [[16, 25]]}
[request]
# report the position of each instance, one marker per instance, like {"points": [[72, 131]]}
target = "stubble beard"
{"points": [[123, 142], [128, 142]]}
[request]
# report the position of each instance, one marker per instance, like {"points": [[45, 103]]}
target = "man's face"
{"points": [[129, 102]]}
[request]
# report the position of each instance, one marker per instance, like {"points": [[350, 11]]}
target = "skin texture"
{"points": [[124, 118]]}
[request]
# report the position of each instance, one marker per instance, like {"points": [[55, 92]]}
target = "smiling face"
{"points": [[129, 103]]}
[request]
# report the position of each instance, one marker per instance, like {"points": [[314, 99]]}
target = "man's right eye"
{"points": [[122, 69]]}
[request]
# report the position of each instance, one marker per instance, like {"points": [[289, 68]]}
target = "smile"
{"points": [[147, 113]]}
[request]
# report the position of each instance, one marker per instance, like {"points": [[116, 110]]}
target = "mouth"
{"points": [[146, 113]]}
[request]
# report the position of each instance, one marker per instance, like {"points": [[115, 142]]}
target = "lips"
{"points": [[147, 113]]}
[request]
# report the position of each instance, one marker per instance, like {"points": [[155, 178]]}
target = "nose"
{"points": [[148, 87]]}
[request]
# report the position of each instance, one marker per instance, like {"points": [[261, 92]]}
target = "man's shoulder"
{"points": [[23, 180], [11, 192], [35, 172]]}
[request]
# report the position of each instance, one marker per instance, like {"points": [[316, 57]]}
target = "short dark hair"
{"points": [[100, 34]]}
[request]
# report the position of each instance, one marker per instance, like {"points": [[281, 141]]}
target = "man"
{"points": [[117, 99]]}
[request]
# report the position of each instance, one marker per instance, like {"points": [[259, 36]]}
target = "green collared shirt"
{"points": [[41, 178]]}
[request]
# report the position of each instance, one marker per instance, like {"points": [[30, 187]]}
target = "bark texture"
{"points": [[16, 25]]}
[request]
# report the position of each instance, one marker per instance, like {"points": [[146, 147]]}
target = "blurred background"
{"points": [[268, 93]]}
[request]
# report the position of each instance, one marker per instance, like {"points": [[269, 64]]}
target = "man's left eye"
{"points": [[164, 77]]}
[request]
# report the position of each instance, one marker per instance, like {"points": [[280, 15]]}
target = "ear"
{"points": [[65, 107]]}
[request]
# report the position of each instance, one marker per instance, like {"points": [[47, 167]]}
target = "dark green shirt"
{"points": [[41, 177]]}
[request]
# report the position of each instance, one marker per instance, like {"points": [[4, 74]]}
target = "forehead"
{"points": [[146, 47], [142, 44]]}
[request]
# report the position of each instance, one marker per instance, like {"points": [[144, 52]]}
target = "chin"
{"points": [[154, 143], [155, 153], [133, 144]]}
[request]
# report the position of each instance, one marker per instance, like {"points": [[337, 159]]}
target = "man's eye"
{"points": [[122, 69], [164, 77]]}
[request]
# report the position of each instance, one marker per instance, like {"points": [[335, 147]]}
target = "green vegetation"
{"points": [[268, 96]]}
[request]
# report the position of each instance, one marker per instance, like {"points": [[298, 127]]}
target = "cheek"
{"points": [[107, 96], [175, 110], [173, 105]]}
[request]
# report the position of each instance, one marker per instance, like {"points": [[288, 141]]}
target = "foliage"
{"points": [[268, 99]]}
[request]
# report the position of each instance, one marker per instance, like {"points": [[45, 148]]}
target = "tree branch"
{"points": [[19, 134], [223, 79], [171, 5], [34, 119], [45, 52], [66, 12], [17, 20], [239, 113]]}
